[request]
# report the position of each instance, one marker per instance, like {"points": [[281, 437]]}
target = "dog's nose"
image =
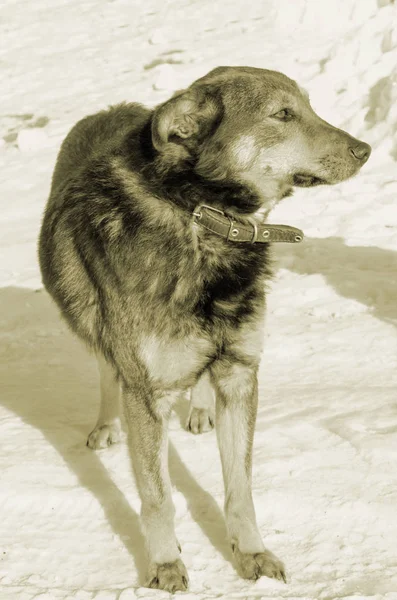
{"points": [[362, 151]]}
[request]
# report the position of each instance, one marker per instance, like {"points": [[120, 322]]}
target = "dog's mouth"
{"points": [[307, 180]]}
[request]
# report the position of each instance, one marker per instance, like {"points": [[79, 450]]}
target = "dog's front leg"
{"points": [[147, 421], [236, 407]]}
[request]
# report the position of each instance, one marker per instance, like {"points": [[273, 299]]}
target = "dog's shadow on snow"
{"points": [[50, 381], [366, 274]]}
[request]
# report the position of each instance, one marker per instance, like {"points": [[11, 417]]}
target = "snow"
{"points": [[32, 139], [325, 476]]}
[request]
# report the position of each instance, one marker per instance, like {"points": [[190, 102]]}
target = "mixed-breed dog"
{"points": [[155, 247]]}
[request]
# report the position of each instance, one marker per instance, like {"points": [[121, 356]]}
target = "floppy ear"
{"points": [[190, 116], [177, 117]]}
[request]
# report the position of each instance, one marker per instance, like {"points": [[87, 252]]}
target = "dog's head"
{"points": [[255, 125]]}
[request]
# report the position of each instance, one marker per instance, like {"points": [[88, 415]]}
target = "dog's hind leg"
{"points": [[147, 421], [202, 406], [108, 428], [236, 406]]}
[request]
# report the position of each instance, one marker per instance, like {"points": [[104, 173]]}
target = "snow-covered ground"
{"points": [[325, 459]]}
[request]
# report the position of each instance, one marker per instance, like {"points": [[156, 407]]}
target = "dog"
{"points": [[155, 247]]}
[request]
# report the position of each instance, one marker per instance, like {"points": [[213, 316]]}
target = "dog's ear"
{"points": [[177, 117], [180, 124]]}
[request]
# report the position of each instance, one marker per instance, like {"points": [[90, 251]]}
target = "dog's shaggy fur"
{"points": [[166, 304]]}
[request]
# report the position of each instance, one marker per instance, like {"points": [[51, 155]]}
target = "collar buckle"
{"points": [[233, 231], [198, 214], [255, 228]]}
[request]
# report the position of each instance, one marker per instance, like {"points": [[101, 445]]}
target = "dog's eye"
{"points": [[284, 115]]}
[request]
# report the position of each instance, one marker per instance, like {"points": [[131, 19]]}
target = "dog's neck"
{"points": [[270, 190], [180, 184], [235, 197]]}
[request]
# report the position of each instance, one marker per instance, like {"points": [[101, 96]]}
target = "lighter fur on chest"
{"points": [[174, 363]]}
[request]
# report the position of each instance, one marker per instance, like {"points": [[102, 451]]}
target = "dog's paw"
{"points": [[171, 577], [253, 566], [104, 435], [200, 420]]}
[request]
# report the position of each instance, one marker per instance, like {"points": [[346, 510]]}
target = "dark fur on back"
{"points": [[117, 251]]}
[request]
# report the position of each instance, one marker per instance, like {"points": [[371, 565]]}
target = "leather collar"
{"points": [[234, 230]]}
